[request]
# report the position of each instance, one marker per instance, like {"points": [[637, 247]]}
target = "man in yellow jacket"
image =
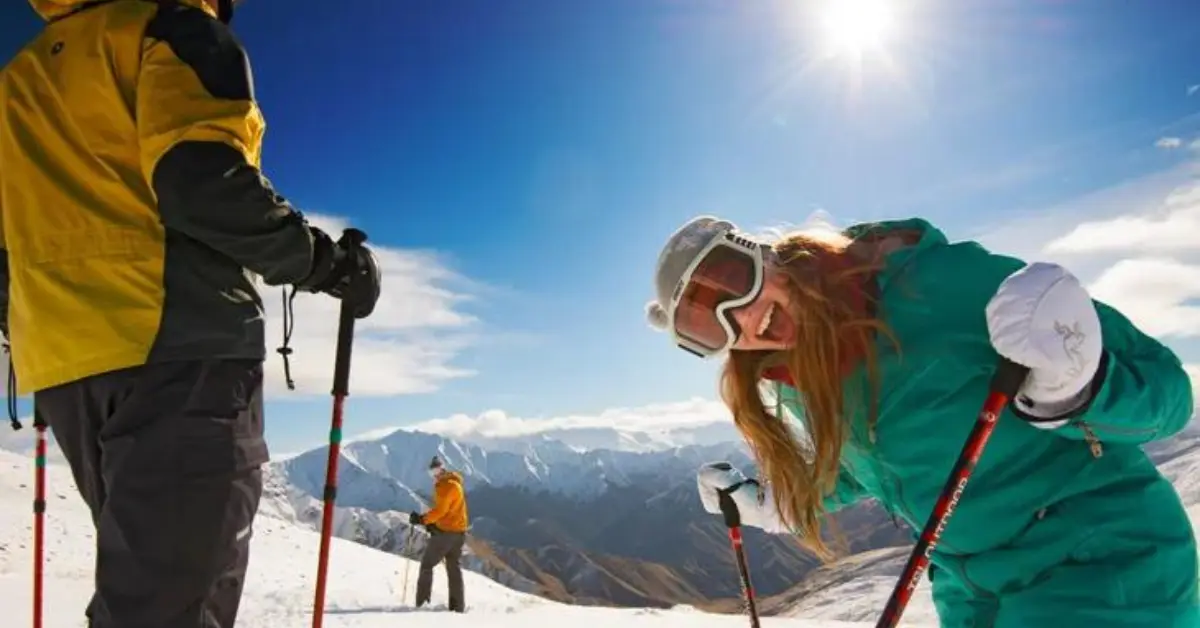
{"points": [[447, 524], [134, 218]]}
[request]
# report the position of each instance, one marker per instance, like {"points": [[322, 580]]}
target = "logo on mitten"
{"points": [[1072, 340]]}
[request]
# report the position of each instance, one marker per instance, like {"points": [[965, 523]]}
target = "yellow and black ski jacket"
{"points": [[133, 212]]}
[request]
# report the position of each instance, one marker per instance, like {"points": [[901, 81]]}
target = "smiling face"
{"points": [[767, 323]]}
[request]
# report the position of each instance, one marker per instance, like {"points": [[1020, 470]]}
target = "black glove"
{"points": [[414, 519], [344, 270]]}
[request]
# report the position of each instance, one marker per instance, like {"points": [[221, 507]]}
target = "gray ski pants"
{"points": [[167, 456], [447, 546]]}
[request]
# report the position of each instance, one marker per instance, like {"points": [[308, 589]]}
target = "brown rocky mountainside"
{"points": [[639, 545]]}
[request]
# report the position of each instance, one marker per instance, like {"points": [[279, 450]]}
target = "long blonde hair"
{"points": [[835, 329]]}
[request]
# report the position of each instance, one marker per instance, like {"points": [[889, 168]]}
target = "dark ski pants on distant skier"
{"points": [[167, 456], [447, 546]]}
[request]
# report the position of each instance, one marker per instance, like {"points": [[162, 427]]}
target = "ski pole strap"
{"points": [[289, 325], [12, 391]]}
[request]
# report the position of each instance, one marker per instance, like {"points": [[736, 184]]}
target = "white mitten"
{"points": [[1042, 318], [754, 510]]}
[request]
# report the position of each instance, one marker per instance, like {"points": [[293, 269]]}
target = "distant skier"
{"points": [[134, 217], [881, 340], [447, 523]]}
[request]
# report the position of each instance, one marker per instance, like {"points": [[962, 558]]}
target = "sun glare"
{"points": [[855, 26]]}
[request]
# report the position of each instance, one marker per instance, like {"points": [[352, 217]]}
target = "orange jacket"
{"points": [[449, 512]]}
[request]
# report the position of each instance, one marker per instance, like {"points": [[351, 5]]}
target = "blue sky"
{"points": [[523, 161]]}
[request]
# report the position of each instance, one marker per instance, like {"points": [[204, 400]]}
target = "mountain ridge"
{"points": [[585, 526]]}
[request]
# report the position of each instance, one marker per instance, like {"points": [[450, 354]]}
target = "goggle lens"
{"points": [[725, 274]]}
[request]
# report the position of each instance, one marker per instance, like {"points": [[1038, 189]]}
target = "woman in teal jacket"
{"points": [[882, 339]]}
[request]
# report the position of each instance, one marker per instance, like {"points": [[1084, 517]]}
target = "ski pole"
{"points": [[39, 517], [408, 539], [1006, 380], [39, 491], [352, 239], [733, 521]]}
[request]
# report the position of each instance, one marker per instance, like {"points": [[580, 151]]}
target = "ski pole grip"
{"points": [[1008, 377], [729, 509], [353, 238]]}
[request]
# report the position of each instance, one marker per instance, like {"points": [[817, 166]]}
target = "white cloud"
{"points": [[1169, 142], [1171, 224], [1154, 293], [1192, 89], [1027, 233], [694, 412], [406, 346]]}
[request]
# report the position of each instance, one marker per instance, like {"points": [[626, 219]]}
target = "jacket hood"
{"points": [[54, 9], [450, 476]]}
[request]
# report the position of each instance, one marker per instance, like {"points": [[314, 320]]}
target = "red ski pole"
{"points": [[1005, 382], [39, 491], [39, 517], [733, 521], [352, 239]]}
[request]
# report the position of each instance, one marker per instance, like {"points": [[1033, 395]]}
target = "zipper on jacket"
{"points": [[1097, 445], [1093, 441]]}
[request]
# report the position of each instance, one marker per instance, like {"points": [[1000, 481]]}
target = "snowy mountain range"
{"points": [[596, 526], [389, 471], [608, 438], [650, 428]]}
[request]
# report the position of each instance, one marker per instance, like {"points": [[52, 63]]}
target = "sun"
{"points": [[856, 26]]}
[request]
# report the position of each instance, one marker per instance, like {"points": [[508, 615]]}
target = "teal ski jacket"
{"points": [[1047, 533]]}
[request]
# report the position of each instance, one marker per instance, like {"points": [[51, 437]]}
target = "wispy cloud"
{"points": [[1169, 142], [1168, 225], [1192, 89], [406, 346], [1037, 232], [497, 424]]}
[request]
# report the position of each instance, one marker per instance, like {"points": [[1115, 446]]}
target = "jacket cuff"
{"points": [[1056, 415]]}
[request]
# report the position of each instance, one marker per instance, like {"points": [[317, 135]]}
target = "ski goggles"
{"points": [[726, 275]]}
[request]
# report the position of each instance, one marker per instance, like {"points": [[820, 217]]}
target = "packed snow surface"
{"points": [[366, 587]]}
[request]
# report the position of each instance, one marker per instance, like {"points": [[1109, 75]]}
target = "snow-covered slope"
{"points": [[365, 585]]}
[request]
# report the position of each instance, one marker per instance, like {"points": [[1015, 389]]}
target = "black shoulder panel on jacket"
{"points": [[208, 47]]}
